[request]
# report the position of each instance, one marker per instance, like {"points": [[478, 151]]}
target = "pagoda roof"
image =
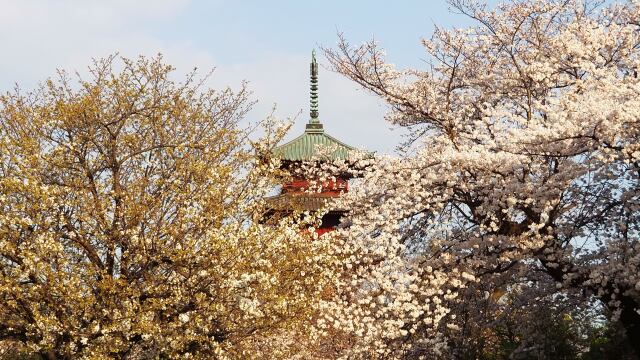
{"points": [[308, 145]]}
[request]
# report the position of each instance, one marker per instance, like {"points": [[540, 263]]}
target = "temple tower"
{"points": [[304, 148]]}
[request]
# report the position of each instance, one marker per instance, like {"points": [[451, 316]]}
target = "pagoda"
{"points": [[294, 194]]}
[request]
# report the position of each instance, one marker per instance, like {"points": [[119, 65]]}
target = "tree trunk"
{"points": [[630, 309], [49, 355], [630, 320]]}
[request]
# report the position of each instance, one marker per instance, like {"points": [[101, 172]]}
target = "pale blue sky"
{"points": [[267, 43], [244, 29]]}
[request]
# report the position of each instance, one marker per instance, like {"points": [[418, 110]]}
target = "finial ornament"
{"points": [[314, 89]]}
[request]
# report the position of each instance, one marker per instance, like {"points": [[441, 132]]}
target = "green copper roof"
{"points": [[306, 146]]}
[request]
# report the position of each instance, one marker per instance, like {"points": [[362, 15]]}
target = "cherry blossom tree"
{"points": [[130, 223], [522, 166]]}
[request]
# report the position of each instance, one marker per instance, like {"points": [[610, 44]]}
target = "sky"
{"points": [[267, 43]]}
